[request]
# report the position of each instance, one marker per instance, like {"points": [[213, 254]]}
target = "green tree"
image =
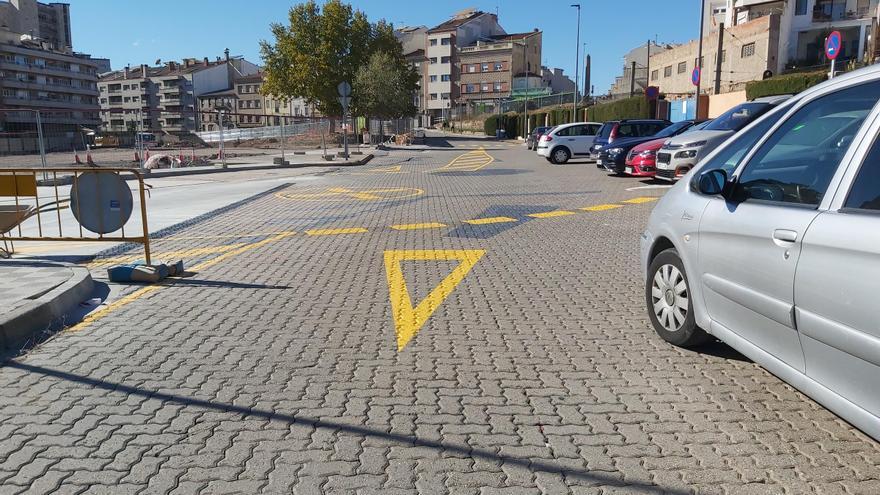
{"points": [[321, 47], [384, 86]]}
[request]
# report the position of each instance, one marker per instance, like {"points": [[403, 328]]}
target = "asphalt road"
{"points": [[455, 320]]}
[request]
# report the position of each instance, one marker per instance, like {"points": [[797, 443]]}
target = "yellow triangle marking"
{"points": [[636, 201], [408, 320]]}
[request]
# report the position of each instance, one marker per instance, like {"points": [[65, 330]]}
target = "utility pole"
{"points": [[699, 63], [577, 56], [587, 75], [648, 67], [632, 79], [719, 58]]}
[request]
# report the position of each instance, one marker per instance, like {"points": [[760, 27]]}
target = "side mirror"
{"points": [[712, 182]]}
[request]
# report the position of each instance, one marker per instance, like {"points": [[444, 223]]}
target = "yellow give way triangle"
{"points": [[408, 320]]}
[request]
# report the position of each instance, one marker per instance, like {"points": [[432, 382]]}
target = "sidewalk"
{"points": [[36, 295]]}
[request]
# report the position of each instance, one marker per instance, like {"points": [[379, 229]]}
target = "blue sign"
{"points": [[833, 44], [695, 76], [652, 93]]}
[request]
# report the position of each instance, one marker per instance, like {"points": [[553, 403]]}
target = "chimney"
{"points": [[125, 72], [206, 60], [226, 52], [144, 71]]}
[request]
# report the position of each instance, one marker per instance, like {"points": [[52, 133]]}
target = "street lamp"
{"points": [[577, 56], [526, 102]]}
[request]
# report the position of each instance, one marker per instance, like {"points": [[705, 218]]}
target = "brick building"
{"points": [[490, 68]]}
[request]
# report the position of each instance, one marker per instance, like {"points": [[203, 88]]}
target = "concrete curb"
{"points": [[177, 172], [25, 324]]}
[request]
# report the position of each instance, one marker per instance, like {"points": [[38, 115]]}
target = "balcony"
{"points": [[833, 11], [481, 46]]}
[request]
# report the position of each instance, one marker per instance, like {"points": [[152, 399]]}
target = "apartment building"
{"points": [[413, 41], [556, 81], [250, 108], [47, 21], [636, 62], [245, 106], [441, 82], [494, 67], [35, 76], [165, 98], [748, 50]]}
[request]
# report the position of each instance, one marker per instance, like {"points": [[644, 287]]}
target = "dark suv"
{"points": [[625, 129]]}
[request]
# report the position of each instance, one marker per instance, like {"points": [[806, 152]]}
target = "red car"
{"points": [[642, 160]]}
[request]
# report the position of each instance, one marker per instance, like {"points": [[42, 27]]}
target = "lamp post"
{"points": [[577, 56], [699, 63], [526, 101]]}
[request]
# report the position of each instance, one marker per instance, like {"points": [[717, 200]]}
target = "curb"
{"points": [[64, 181], [25, 324]]}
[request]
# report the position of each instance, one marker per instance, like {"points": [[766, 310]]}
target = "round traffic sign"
{"points": [[100, 201], [652, 92], [344, 88], [833, 44], [695, 76]]}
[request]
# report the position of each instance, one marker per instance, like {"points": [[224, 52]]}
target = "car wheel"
{"points": [[668, 297], [560, 155]]}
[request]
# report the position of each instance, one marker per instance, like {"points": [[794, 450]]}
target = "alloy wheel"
{"points": [[670, 297]]}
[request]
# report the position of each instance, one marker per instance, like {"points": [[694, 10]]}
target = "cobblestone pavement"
{"points": [[276, 368]]}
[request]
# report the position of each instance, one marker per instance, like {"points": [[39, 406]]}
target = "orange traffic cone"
{"points": [[76, 158], [89, 158]]}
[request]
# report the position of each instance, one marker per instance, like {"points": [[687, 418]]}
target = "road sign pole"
{"points": [[831, 76]]}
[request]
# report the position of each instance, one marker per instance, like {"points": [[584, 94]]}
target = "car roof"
{"points": [[561, 126]]}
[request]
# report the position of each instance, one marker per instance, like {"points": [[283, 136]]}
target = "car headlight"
{"points": [[597, 147], [615, 151], [686, 154], [648, 153], [697, 144]]}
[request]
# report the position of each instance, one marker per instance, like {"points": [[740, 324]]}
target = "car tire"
{"points": [[669, 304], [560, 155]]}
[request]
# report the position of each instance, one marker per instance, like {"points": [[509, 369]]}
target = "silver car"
{"points": [[772, 244]]}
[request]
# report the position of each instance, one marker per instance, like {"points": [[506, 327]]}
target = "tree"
{"points": [[384, 86], [321, 47]]}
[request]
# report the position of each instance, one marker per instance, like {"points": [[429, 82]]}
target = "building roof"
{"points": [[457, 21], [258, 77], [169, 69], [222, 92], [514, 36], [420, 53]]}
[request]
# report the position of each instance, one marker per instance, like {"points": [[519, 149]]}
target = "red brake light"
{"points": [[546, 138], [613, 134]]}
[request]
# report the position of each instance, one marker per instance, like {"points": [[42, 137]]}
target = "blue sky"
{"points": [[135, 32]]}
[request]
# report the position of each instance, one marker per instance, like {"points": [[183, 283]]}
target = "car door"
{"points": [[749, 243], [836, 287], [585, 134], [567, 137]]}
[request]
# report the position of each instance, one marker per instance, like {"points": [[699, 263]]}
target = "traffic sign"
{"points": [[344, 101], [695, 76], [832, 45], [344, 88], [652, 93]]}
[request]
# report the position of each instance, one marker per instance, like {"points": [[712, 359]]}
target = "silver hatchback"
{"points": [[772, 244]]}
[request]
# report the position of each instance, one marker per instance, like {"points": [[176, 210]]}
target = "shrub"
{"points": [[637, 107], [490, 125], [785, 84]]}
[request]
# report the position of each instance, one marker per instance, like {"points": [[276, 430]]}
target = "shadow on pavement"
{"points": [[721, 350], [531, 464], [228, 285]]}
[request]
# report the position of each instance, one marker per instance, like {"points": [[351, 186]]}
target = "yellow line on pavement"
{"points": [[486, 221], [469, 162], [637, 201], [551, 214], [353, 230], [144, 291], [601, 207], [418, 226]]}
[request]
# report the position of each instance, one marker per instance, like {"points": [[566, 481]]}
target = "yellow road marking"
{"points": [[177, 254], [468, 162], [417, 226], [486, 221], [551, 214], [353, 230], [601, 207], [388, 170], [134, 296], [408, 320], [636, 201], [345, 194]]}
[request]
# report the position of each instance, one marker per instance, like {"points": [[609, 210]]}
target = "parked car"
{"points": [[680, 154], [772, 244], [534, 136], [567, 141], [623, 129], [613, 157], [642, 160]]}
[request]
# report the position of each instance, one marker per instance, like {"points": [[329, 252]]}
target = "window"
{"points": [[748, 50], [729, 157], [796, 163], [800, 7], [432, 78], [472, 68], [470, 88], [485, 87], [655, 75], [682, 67], [498, 66], [626, 131], [445, 78], [667, 71], [698, 62], [865, 191], [433, 41], [241, 88], [445, 60], [444, 96], [433, 60], [723, 56], [445, 41], [485, 66], [497, 85], [433, 96]]}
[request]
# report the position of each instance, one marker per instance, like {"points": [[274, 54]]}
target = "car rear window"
{"points": [[627, 130], [605, 130], [739, 116]]}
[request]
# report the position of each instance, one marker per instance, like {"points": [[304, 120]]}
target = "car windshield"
{"points": [[739, 116], [605, 130], [674, 129]]}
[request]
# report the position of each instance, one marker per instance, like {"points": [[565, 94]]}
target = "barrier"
{"points": [[99, 200]]}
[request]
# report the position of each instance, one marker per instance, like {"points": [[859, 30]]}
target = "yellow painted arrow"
{"points": [[407, 319]]}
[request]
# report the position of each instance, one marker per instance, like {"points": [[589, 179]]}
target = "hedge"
{"points": [[510, 122], [637, 107], [783, 85]]}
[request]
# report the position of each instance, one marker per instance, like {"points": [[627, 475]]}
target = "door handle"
{"points": [[785, 235]]}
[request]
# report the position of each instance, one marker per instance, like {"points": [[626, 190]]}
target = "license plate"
{"points": [[629, 170]]}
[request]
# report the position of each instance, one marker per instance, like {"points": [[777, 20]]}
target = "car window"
{"points": [[605, 130], [626, 131], [729, 157], [671, 130], [865, 191], [566, 131], [739, 116], [593, 129], [796, 164]]}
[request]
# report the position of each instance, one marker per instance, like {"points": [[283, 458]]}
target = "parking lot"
{"points": [[462, 319]]}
